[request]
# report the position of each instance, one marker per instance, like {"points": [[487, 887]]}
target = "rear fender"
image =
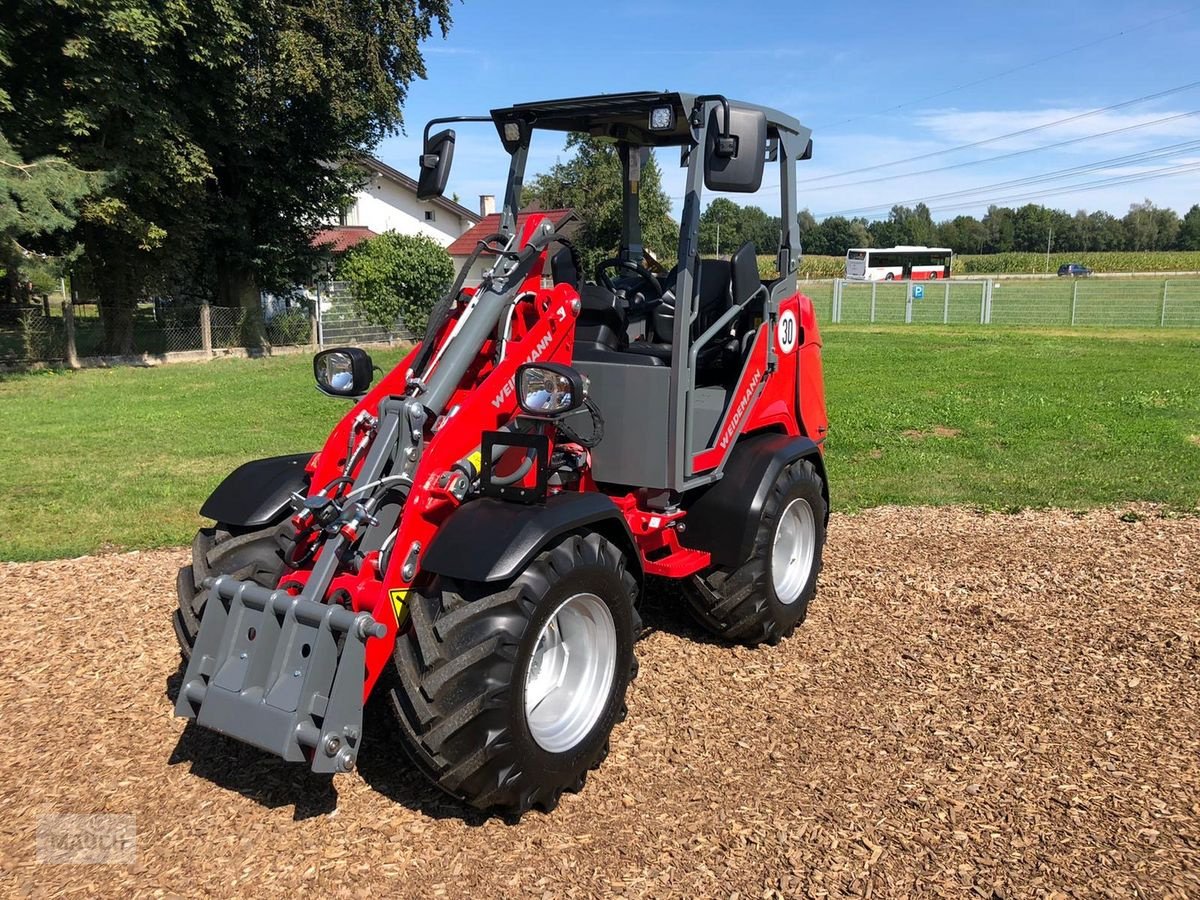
{"points": [[723, 519]]}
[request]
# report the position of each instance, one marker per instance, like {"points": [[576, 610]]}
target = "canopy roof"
{"points": [[627, 116]]}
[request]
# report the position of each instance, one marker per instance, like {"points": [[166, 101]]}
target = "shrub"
{"points": [[292, 326], [397, 277]]}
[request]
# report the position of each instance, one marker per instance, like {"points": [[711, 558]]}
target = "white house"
{"points": [[388, 202]]}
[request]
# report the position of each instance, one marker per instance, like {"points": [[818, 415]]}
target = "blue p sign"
{"points": [[918, 292]]}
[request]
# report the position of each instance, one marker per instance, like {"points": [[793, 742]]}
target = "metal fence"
{"points": [[340, 321], [1051, 303], [65, 332], [58, 333]]}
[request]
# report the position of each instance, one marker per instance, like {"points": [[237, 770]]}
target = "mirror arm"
{"points": [[726, 146], [446, 120]]}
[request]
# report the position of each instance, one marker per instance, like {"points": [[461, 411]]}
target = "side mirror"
{"points": [[547, 390], [343, 372], [734, 158], [435, 162]]}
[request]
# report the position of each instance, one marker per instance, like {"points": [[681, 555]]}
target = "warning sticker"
{"points": [[397, 596]]}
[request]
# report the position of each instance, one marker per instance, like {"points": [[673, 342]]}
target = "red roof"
{"points": [[465, 243], [341, 238]]}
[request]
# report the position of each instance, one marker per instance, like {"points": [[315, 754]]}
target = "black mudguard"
{"points": [[494, 540], [723, 519], [256, 494]]}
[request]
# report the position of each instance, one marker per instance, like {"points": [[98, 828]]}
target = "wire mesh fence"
{"points": [[1050, 303], [158, 328], [341, 322]]}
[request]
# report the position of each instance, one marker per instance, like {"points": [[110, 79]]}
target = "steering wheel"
{"points": [[647, 277]]}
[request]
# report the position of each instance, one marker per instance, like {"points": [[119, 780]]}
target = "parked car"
{"points": [[1074, 270]]}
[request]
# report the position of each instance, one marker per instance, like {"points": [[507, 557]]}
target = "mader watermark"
{"points": [[100, 838]]}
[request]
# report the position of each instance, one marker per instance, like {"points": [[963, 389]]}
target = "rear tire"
{"points": [[476, 657], [246, 554], [765, 598]]}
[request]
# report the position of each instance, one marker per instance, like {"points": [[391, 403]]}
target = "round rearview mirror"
{"points": [[343, 372]]}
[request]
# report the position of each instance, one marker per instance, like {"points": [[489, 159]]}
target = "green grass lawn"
{"points": [[123, 458]]}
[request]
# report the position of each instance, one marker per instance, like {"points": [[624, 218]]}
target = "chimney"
{"points": [[487, 204]]}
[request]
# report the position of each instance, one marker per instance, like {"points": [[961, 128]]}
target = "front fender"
{"points": [[494, 540], [256, 493]]}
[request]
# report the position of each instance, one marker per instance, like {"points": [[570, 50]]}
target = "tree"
{"points": [[397, 277], [962, 234], [1189, 232], [1000, 228], [38, 204], [1149, 227], [216, 122], [590, 183]]}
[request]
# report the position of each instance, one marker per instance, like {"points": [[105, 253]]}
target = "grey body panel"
{"points": [[634, 401]]}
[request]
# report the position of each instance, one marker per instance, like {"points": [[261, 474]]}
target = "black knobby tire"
{"points": [[459, 682], [246, 554], [741, 604]]}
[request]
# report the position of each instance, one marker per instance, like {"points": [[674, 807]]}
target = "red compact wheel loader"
{"points": [[474, 536]]}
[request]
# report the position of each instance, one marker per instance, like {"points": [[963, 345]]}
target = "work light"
{"points": [[662, 118], [549, 389]]}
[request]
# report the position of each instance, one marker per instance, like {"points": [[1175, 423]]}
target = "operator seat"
{"points": [[713, 291]]}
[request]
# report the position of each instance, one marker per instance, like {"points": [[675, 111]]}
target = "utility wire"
{"points": [[1152, 175], [1013, 155], [1011, 134], [1019, 68], [1142, 156]]}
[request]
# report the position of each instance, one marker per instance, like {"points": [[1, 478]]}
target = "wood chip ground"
{"points": [[979, 705]]}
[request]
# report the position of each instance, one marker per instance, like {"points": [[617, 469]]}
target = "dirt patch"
{"points": [[1194, 440], [976, 703], [940, 431]]}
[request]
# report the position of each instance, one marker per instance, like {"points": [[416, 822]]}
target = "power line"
{"points": [[1154, 174], [1003, 137], [1142, 156], [1014, 154], [1019, 68]]}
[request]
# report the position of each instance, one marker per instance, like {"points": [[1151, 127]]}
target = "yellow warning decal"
{"points": [[397, 595], [476, 459]]}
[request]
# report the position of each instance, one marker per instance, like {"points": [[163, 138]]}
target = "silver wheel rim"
{"points": [[792, 551], [570, 673]]}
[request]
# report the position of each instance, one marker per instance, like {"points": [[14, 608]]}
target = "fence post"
{"points": [[874, 286], [206, 328], [1074, 300], [1162, 316], [908, 303], [68, 309], [946, 306], [318, 338]]}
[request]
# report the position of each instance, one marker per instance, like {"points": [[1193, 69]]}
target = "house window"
{"points": [[430, 216]]}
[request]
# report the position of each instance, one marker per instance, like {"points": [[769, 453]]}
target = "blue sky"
{"points": [[843, 71]]}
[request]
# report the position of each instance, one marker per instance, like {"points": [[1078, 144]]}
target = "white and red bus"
{"points": [[898, 264]]}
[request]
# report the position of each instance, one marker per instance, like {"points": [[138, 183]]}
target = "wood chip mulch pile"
{"points": [[979, 705]]}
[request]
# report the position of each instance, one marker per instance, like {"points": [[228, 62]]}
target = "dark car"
{"points": [[1074, 270]]}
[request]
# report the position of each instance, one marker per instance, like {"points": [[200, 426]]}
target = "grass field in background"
{"points": [[123, 458]]}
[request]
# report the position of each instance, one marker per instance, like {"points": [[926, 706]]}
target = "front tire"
{"points": [[765, 598], [506, 693], [246, 554]]}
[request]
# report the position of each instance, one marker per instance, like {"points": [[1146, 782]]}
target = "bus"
{"points": [[898, 264]]}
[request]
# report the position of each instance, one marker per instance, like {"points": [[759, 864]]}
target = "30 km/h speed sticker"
{"points": [[787, 332]]}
